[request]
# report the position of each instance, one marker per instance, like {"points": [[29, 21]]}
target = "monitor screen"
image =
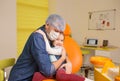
{"points": [[92, 41]]}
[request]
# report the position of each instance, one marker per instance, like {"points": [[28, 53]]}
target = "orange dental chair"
{"points": [[73, 51]]}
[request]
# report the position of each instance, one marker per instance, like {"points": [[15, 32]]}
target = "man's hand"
{"points": [[68, 67]]}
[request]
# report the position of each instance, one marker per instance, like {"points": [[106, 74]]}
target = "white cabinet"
{"points": [[114, 54]]}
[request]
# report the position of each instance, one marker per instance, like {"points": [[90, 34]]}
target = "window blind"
{"points": [[31, 14]]}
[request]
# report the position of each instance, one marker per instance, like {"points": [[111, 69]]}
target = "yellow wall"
{"points": [[31, 14]]}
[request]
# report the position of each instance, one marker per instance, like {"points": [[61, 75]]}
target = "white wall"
{"points": [[7, 28], [76, 14]]}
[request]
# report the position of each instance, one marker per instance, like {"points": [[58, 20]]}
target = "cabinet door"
{"points": [[115, 55], [103, 53]]}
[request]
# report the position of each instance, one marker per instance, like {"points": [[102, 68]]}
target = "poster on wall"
{"points": [[102, 20]]}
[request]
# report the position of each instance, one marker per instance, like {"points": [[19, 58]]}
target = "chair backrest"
{"points": [[73, 50], [4, 64]]}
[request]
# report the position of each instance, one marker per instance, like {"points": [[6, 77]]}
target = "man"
{"points": [[34, 56]]}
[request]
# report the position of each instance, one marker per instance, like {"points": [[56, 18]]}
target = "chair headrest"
{"points": [[67, 31]]}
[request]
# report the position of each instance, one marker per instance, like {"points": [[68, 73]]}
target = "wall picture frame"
{"points": [[102, 20]]}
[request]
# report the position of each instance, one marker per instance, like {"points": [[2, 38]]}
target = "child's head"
{"points": [[59, 40]]}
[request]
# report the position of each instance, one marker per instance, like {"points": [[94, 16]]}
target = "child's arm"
{"points": [[67, 66], [54, 51]]}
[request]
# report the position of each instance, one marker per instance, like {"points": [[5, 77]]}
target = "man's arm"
{"points": [[41, 57]]}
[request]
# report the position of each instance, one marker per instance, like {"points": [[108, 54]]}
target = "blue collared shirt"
{"points": [[34, 58]]}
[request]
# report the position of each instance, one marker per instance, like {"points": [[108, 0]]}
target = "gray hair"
{"points": [[56, 21]]}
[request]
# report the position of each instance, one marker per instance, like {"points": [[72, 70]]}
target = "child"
{"points": [[57, 45], [61, 74]]}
